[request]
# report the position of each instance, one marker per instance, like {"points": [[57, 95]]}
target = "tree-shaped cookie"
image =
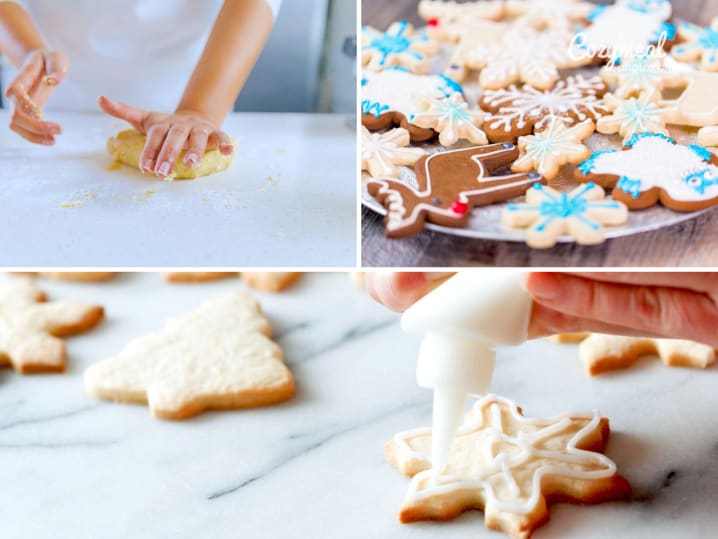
{"points": [[381, 153], [510, 466], [654, 169], [31, 328], [699, 44], [449, 185], [398, 46], [219, 356]]}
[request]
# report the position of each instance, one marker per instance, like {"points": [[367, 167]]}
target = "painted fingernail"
{"points": [[164, 169], [192, 160]]}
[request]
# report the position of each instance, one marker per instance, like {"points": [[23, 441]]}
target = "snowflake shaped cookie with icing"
{"points": [[451, 21], [700, 44], [654, 169], [520, 111], [382, 152], [451, 118], [398, 46], [557, 145], [31, 328], [510, 466], [582, 214], [525, 55], [634, 116], [637, 74], [542, 14]]}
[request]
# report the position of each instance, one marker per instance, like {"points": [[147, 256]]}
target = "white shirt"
{"points": [[141, 52]]}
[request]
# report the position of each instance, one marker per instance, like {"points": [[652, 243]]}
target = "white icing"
{"points": [[552, 13], [525, 443], [708, 136]]}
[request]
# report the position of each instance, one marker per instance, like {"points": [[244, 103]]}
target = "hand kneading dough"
{"points": [[127, 146]]}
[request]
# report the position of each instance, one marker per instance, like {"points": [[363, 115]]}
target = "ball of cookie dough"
{"points": [[127, 146]]}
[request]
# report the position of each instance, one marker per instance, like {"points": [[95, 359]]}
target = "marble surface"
{"points": [[313, 466], [281, 204]]}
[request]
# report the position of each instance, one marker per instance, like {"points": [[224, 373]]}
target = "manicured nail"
{"points": [[148, 166], [192, 160], [164, 169]]}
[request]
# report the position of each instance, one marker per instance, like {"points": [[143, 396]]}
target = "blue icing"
{"points": [[701, 180], [451, 86], [395, 43], [646, 6], [667, 28], [596, 13], [638, 136], [630, 186], [373, 107], [701, 152], [589, 164]]}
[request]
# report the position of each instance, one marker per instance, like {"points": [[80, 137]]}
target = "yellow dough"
{"points": [[127, 146]]}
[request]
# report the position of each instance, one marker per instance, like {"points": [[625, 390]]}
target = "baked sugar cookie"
{"points": [[451, 118], [708, 136], [698, 44], [451, 21], [219, 356], [31, 328], [197, 276], [381, 153], [397, 47], [126, 147], [74, 276], [634, 116], [543, 14], [510, 466], [266, 281]]}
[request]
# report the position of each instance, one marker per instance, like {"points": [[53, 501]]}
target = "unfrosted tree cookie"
{"points": [[397, 47], [126, 147], [548, 214], [557, 145], [381, 153], [518, 111], [31, 328], [698, 44], [451, 118], [634, 116], [654, 169], [74, 276], [219, 356], [541, 14], [510, 466]]}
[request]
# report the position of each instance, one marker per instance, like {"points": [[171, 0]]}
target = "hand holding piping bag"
{"points": [[669, 305]]}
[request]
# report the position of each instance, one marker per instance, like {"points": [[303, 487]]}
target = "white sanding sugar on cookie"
{"points": [[219, 356]]}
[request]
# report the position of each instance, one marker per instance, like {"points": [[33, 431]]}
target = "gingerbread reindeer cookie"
{"points": [[31, 329], [653, 169], [510, 466], [450, 184]]}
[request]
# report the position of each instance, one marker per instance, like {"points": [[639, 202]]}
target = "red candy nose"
{"points": [[433, 22], [459, 207]]}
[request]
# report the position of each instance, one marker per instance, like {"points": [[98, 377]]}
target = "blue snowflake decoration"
{"points": [[395, 42]]}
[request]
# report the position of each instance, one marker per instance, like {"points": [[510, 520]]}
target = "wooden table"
{"points": [[690, 244]]}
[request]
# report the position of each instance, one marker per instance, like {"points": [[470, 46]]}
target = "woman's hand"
{"points": [[400, 290], [169, 134], [39, 74]]}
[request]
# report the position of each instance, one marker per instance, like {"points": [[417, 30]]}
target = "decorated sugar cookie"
{"points": [[627, 25], [636, 74], [451, 118], [549, 214], [525, 55], [398, 46], [655, 169], [510, 466], [633, 116], [451, 21], [520, 111], [449, 185], [464, 58], [557, 145], [542, 14], [389, 98], [382, 152], [699, 44], [697, 106], [708, 136]]}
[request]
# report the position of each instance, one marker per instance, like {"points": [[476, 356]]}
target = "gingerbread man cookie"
{"points": [[655, 169], [31, 329], [398, 46], [699, 44], [641, 73], [217, 357], [450, 184], [553, 147], [451, 118], [390, 97], [382, 152], [510, 466], [541, 14], [582, 214], [521, 111], [634, 116], [451, 21]]}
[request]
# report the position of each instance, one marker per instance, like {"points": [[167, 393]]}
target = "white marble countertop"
{"points": [[313, 466], [288, 200]]}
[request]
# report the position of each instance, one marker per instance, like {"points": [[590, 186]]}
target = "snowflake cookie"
{"points": [[699, 44], [653, 169], [634, 116], [398, 46], [542, 14], [582, 214], [636, 74], [390, 97], [521, 111], [525, 55], [464, 58], [382, 152], [510, 466], [708, 136], [451, 21], [557, 145], [451, 118], [449, 185]]}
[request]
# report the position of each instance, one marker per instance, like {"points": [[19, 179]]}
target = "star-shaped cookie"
{"points": [[219, 356], [633, 116], [451, 118], [31, 328], [510, 466]]}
